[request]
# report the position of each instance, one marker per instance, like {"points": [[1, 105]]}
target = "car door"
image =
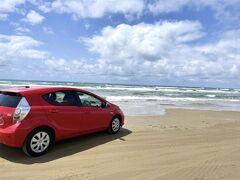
{"points": [[63, 110], [95, 116]]}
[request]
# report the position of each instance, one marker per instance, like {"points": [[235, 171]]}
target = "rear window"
{"points": [[8, 99]]}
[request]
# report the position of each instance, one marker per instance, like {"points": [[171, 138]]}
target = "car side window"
{"points": [[88, 100], [61, 98]]}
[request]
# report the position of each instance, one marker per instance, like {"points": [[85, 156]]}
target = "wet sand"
{"points": [[181, 145]]}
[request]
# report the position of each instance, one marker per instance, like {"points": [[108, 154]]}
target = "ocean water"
{"points": [[153, 100]]}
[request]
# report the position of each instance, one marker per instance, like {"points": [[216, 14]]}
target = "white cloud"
{"points": [[166, 50], [18, 47], [162, 6], [34, 18], [19, 28], [226, 11], [129, 51], [98, 8], [147, 42], [161, 51], [43, 5], [224, 55], [71, 67], [22, 30], [10, 5]]}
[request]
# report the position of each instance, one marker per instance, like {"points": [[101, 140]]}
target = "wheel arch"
{"points": [[51, 129], [120, 118]]}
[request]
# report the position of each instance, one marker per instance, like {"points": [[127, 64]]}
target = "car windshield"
{"points": [[9, 99]]}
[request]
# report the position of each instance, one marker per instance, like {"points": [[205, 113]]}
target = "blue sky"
{"points": [[174, 42]]}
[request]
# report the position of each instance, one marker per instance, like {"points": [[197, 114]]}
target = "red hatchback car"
{"points": [[35, 117]]}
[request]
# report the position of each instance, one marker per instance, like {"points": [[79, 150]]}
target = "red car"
{"points": [[35, 117]]}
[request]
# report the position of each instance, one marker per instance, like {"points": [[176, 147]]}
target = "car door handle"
{"points": [[53, 111]]}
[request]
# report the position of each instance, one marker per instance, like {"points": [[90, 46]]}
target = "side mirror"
{"points": [[105, 105]]}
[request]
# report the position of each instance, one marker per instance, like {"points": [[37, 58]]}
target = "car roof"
{"points": [[38, 90]]}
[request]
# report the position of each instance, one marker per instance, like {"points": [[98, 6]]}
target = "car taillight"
{"points": [[21, 111]]}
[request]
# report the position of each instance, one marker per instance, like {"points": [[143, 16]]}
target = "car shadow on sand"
{"points": [[63, 148]]}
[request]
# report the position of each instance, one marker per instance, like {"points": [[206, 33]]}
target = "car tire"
{"points": [[115, 125], [38, 142]]}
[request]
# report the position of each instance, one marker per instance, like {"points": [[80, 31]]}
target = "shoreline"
{"points": [[170, 108], [178, 118], [148, 100]]}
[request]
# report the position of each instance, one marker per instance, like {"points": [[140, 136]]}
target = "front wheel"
{"points": [[38, 142], [114, 126]]}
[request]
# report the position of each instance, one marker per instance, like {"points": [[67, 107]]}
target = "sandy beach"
{"points": [[180, 145]]}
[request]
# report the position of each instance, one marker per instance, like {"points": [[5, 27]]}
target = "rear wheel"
{"points": [[115, 125], [38, 142]]}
